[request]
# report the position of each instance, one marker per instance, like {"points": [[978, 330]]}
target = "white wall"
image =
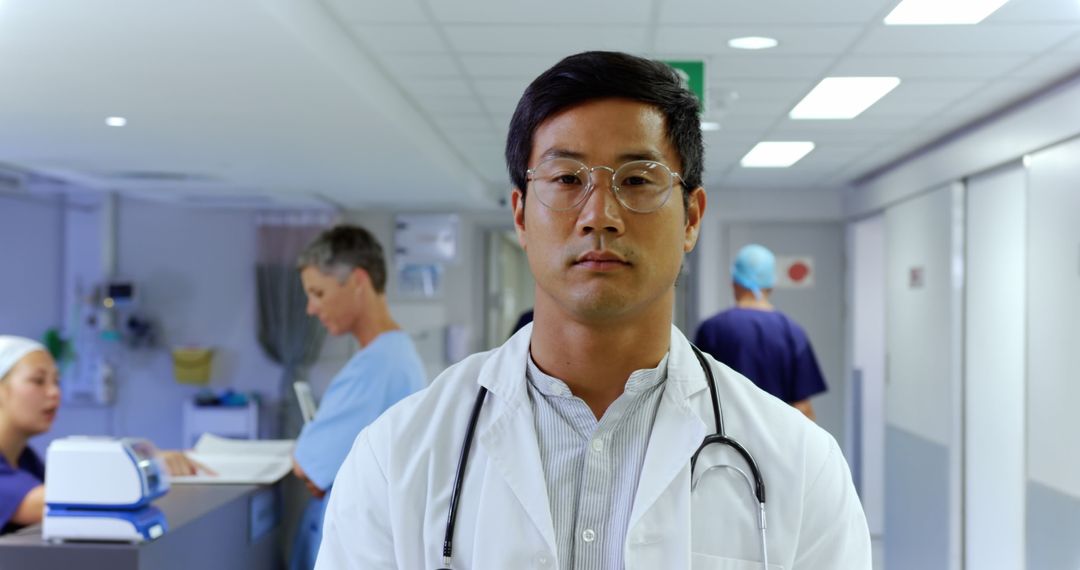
{"points": [[919, 319], [195, 271], [1054, 318], [923, 447], [867, 334], [994, 355], [31, 239]]}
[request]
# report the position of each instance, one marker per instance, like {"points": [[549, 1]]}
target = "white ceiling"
{"points": [[405, 103]]}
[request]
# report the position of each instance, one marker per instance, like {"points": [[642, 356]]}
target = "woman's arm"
{"points": [[32, 508]]}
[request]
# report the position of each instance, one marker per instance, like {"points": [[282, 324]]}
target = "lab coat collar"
{"points": [[504, 373], [509, 433], [677, 431]]}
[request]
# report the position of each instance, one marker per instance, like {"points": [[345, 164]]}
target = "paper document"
{"points": [[240, 460], [306, 400]]}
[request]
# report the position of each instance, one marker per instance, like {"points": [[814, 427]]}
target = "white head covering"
{"points": [[12, 349]]}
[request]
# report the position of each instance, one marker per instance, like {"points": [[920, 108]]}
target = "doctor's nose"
{"points": [[601, 210]]}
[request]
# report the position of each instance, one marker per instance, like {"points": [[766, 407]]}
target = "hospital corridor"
{"points": [[492, 284]]}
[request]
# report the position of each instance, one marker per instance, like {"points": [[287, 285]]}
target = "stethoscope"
{"points": [[756, 486]]}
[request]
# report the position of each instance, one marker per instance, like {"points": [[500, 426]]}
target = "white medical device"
{"points": [[100, 488]]}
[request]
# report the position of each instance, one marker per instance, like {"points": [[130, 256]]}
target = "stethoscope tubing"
{"points": [[719, 437]]}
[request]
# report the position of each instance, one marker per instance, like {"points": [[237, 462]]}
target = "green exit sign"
{"points": [[693, 76]]}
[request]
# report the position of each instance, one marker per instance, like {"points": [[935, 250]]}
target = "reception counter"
{"points": [[210, 527]]}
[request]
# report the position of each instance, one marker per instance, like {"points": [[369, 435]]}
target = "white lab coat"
{"points": [[390, 499]]}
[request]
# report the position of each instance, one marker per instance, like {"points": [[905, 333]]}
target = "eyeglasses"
{"points": [[564, 184]]}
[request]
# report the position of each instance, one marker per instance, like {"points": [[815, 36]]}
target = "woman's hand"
{"points": [[180, 464], [311, 487]]}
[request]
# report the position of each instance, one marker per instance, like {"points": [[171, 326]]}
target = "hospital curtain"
{"points": [[286, 333]]}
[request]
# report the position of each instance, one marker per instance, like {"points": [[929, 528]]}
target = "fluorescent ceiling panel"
{"points": [[753, 42], [942, 12], [776, 154], [843, 97]]}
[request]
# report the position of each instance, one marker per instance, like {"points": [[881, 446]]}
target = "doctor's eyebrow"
{"points": [[630, 156]]}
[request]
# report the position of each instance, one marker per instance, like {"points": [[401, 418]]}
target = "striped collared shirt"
{"points": [[592, 467]]}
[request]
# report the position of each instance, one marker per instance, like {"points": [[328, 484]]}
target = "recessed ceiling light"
{"points": [[710, 126], [753, 42], [843, 97], [116, 121], [776, 154], [942, 12]]}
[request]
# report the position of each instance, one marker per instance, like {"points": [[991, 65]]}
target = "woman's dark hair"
{"points": [[601, 75]]}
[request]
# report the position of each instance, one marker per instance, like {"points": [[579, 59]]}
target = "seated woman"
{"points": [[29, 399]]}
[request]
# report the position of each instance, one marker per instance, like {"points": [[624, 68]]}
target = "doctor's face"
{"points": [[30, 394], [600, 261], [337, 305]]}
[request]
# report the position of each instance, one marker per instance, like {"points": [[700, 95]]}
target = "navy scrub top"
{"points": [[768, 348], [16, 482]]}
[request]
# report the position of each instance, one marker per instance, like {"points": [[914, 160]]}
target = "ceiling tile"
{"points": [[712, 39], [1049, 67], [373, 11], [546, 39], [863, 122], [501, 107], [482, 65], [774, 12], [426, 64], [935, 89], [773, 107], [957, 40], [911, 107], [604, 12], [738, 123], [400, 38], [763, 66], [502, 88], [434, 85], [751, 89], [1072, 44], [465, 123], [1036, 11], [928, 66], [449, 104]]}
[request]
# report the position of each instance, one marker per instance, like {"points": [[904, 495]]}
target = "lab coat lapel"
{"points": [[510, 439], [677, 431]]}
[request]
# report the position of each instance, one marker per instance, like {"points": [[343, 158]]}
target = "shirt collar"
{"points": [[550, 386]]}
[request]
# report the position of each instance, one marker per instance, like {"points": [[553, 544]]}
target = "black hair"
{"points": [[595, 75], [340, 249]]}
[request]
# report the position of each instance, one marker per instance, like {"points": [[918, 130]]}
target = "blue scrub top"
{"points": [[768, 348], [377, 377], [16, 482]]}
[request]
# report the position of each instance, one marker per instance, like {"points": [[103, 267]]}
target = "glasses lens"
{"points": [[643, 186], [560, 183]]}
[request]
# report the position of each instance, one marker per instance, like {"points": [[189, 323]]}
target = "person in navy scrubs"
{"points": [[760, 342], [29, 400]]}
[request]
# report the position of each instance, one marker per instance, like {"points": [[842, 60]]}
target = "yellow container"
{"points": [[192, 365]]}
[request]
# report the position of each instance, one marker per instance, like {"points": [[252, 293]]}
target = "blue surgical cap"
{"points": [[754, 268]]}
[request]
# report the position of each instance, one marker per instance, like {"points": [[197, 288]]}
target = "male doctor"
{"points": [[582, 447]]}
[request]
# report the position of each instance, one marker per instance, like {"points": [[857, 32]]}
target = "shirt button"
{"points": [[588, 535], [542, 560], [598, 445]]}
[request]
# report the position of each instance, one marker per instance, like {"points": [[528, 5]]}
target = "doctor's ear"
{"points": [[517, 204]]}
